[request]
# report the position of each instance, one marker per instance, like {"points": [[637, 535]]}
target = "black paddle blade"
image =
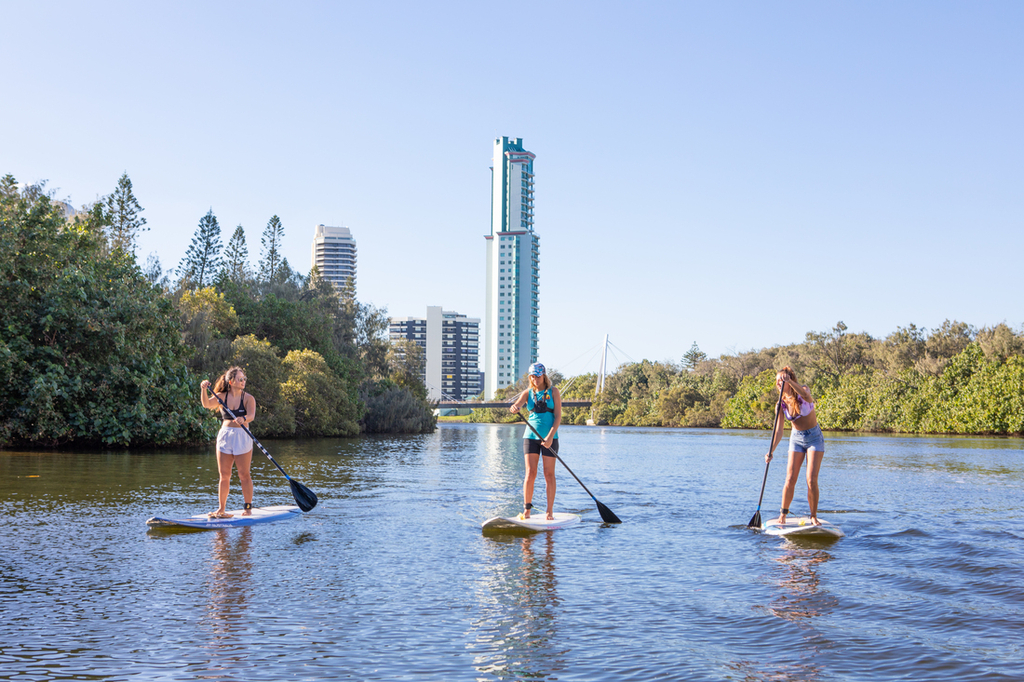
{"points": [[607, 515], [304, 497], [755, 520]]}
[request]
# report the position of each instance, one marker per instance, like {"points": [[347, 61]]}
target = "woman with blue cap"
{"points": [[544, 402]]}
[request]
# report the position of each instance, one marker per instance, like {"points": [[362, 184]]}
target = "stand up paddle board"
{"points": [[537, 522], [259, 515], [802, 527]]}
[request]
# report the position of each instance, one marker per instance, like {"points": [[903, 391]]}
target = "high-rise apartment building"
{"points": [[513, 253], [334, 254], [451, 346]]}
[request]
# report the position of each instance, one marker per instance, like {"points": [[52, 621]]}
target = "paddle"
{"points": [[606, 514], [755, 520], [304, 497]]}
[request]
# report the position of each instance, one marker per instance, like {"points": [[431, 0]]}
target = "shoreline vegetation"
{"points": [[98, 350], [955, 380]]}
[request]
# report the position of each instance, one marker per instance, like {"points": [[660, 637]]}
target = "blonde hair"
{"points": [[222, 385], [546, 380], [789, 396]]}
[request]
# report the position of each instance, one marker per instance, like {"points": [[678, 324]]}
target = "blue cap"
{"points": [[536, 369]]}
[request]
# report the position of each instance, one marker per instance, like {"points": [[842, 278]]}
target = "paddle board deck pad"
{"points": [[259, 515], [802, 527], [537, 522]]}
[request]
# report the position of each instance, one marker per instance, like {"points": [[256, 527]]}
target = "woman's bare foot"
{"points": [[551, 516], [219, 514], [815, 521], [526, 513], [782, 519], [247, 512]]}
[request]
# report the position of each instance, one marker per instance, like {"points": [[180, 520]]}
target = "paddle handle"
{"points": [[254, 440]]}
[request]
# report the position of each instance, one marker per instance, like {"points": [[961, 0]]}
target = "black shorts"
{"points": [[531, 446]]}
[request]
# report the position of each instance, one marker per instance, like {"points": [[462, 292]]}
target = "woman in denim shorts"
{"points": [[805, 439]]}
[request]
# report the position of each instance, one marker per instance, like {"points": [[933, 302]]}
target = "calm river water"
{"points": [[390, 577]]}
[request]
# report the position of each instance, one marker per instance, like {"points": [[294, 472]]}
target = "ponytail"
{"points": [[221, 385]]}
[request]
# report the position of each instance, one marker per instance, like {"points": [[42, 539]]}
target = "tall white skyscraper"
{"points": [[334, 254], [513, 253]]}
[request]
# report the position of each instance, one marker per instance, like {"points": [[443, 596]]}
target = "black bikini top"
{"points": [[239, 411]]}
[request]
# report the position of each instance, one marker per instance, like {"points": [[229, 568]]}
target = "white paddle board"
{"points": [[537, 522], [259, 515], [801, 526]]}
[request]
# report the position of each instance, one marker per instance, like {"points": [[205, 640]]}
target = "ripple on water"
{"points": [[390, 577]]}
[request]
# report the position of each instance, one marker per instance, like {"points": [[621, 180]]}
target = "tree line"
{"points": [[954, 379], [96, 349]]}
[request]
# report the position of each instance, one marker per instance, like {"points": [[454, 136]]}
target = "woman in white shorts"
{"points": [[234, 446]]}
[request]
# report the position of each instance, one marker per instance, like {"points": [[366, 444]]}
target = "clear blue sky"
{"points": [[734, 174]]}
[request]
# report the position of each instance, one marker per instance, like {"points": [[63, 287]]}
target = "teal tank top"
{"points": [[542, 414]]}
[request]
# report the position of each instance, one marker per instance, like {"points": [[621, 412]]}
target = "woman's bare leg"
{"points": [[224, 462], [796, 460], [814, 459], [243, 464], [531, 477], [549, 485]]}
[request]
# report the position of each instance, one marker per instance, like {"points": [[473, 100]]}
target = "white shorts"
{"points": [[233, 440]]}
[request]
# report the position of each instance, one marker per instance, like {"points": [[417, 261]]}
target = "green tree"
{"points": [[90, 351], [693, 357], [236, 268], [202, 261], [901, 350], [406, 361], [1000, 342], [266, 373], [271, 259], [322, 405], [123, 211], [392, 409], [944, 343], [836, 352], [207, 321], [753, 406]]}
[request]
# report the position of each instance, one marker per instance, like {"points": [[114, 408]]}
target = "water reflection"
{"points": [[800, 596], [228, 586], [516, 636]]}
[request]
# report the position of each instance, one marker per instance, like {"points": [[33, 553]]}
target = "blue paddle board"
{"points": [[259, 515]]}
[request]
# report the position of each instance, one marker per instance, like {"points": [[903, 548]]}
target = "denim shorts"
{"points": [[811, 439]]}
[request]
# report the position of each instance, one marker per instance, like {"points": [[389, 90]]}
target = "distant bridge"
{"points": [[448, 404]]}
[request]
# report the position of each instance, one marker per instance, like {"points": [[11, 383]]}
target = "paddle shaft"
{"points": [[775, 426], [541, 439], [254, 440]]}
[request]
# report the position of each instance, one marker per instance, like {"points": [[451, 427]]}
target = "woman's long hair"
{"points": [[789, 395], [222, 386]]}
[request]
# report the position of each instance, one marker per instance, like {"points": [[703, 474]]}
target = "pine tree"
{"points": [[236, 266], [270, 258], [201, 263], [693, 357], [123, 212]]}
